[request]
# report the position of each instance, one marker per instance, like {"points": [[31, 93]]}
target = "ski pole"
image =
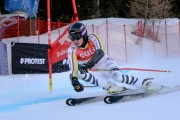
{"points": [[138, 69], [90, 86]]}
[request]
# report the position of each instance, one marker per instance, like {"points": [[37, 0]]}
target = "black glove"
{"points": [[84, 68], [78, 87]]}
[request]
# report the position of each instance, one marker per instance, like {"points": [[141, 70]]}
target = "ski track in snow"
{"points": [[19, 105]]}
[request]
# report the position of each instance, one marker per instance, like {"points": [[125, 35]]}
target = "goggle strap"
{"points": [[83, 32]]}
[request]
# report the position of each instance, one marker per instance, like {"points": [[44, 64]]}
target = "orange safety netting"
{"points": [[30, 27]]}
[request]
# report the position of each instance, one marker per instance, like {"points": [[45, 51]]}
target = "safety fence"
{"points": [[30, 27], [125, 40]]}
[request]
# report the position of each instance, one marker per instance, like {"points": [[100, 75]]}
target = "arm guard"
{"points": [[96, 57]]}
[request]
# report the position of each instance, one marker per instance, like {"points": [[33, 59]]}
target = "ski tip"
{"points": [[70, 102], [108, 100]]}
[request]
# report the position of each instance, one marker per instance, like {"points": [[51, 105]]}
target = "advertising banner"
{"points": [[33, 58]]}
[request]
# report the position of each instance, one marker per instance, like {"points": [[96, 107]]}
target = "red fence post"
{"points": [[93, 28], [107, 36], [125, 42], [166, 39], [140, 28], [153, 36], [18, 28], [38, 24], [140, 33]]}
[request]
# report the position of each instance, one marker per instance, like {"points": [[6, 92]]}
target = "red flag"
{"points": [[59, 47]]}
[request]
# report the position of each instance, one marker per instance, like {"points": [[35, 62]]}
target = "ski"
{"points": [[110, 99], [123, 96], [91, 99], [77, 101]]}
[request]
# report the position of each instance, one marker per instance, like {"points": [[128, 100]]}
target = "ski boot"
{"points": [[113, 88], [149, 86]]}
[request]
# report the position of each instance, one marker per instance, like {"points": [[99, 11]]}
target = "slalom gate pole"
{"points": [[138, 69], [49, 43]]}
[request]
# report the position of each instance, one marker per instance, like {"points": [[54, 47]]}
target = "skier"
{"points": [[87, 52]]}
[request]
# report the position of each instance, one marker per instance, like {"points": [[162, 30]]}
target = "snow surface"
{"points": [[27, 96]]}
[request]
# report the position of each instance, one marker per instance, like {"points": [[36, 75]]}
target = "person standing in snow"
{"points": [[87, 52]]}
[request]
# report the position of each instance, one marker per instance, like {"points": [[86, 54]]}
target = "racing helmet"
{"points": [[78, 30]]}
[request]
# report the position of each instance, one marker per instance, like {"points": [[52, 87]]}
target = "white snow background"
{"points": [[27, 96]]}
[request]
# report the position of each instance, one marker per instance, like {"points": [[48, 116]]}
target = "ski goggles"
{"points": [[76, 35]]}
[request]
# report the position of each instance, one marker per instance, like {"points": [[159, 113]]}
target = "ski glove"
{"points": [[78, 87], [98, 55], [83, 68]]}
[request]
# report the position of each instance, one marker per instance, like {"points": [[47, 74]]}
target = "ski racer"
{"points": [[87, 52]]}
